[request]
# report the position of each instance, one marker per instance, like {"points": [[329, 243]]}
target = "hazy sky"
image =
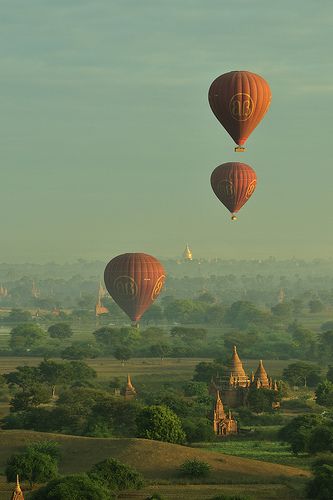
{"points": [[108, 141]]}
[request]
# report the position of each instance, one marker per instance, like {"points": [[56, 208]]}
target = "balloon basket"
{"points": [[233, 217], [240, 149]]}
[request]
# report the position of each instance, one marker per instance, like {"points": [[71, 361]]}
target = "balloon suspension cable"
{"points": [[240, 149], [233, 217]]}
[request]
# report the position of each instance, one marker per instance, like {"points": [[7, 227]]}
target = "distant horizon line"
{"points": [[175, 259]]}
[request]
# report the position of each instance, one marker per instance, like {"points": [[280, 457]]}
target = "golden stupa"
{"points": [[187, 254], [17, 493]]}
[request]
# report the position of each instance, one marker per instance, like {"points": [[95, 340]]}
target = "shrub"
{"points": [[32, 466], [194, 468], [116, 476], [321, 486], [74, 487], [160, 423], [50, 448]]}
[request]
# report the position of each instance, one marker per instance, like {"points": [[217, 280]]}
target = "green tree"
{"points": [[18, 316], [160, 350], [321, 486], [327, 326], [160, 423], [302, 374], [282, 310], [23, 377], [194, 468], [297, 432], [320, 439], [123, 354], [26, 337], [189, 334], [329, 374], [53, 373], [309, 422], [204, 371], [198, 429], [305, 340], [198, 389], [74, 487], [31, 466], [80, 350], [243, 314], [60, 331], [31, 397], [324, 393], [51, 448], [316, 306], [186, 311], [79, 371], [260, 400], [107, 337], [326, 345], [116, 475], [153, 314]]}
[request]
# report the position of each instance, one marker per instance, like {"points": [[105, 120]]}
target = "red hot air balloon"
{"points": [[233, 183], [239, 100], [134, 280]]}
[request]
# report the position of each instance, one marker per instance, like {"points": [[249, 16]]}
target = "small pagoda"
{"points": [[17, 493], [223, 425], [187, 254], [130, 391]]}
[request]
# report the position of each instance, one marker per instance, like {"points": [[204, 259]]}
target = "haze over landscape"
{"points": [[108, 141]]}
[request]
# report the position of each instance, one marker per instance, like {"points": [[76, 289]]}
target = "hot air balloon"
{"points": [[239, 100], [233, 183], [134, 281]]}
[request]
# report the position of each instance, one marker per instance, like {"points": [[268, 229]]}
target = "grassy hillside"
{"points": [[159, 462]]}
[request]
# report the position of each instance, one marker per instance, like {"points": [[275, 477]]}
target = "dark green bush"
{"points": [[194, 468]]}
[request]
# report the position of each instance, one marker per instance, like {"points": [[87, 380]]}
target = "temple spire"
{"points": [[130, 391], [219, 408], [187, 254], [17, 493], [261, 375], [236, 369]]}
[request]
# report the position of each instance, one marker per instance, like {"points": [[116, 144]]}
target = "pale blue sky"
{"points": [[108, 142]]}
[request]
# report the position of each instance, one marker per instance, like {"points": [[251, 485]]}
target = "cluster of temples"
{"points": [[233, 389]]}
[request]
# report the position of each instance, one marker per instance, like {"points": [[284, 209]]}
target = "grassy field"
{"points": [[159, 462], [170, 369], [268, 451]]}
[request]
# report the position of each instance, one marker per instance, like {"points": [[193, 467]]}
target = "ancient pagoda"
{"points": [[130, 391], [261, 378], [223, 425], [17, 493], [187, 254], [235, 384], [100, 308]]}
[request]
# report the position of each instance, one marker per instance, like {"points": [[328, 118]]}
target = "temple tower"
{"points": [[17, 493], [130, 391], [236, 371], [261, 378], [187, 254], [223, 425], [281, 296]]}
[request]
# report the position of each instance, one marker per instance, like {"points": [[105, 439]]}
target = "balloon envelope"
{"points": [[239, 100], [233, 183], [134, 280]]}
